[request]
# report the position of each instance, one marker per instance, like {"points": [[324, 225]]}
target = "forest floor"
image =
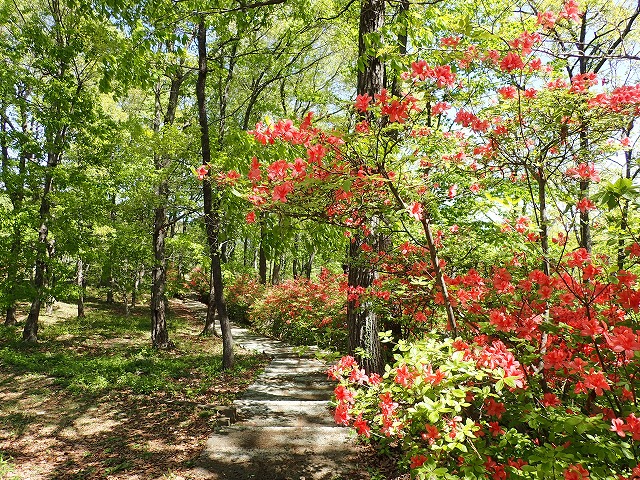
{"points": [[92, 399]]}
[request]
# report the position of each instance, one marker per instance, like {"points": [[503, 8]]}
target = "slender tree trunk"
{"points": [[125, 300], [624, 218], [159, 332], [585, 227], [276, 269], [544, 222], [30, 332], [14, 185], [210, 320], [364, 341], [10, 318], [309, 265], [134, 291], [56, 139], [452, 323], [13, 266], [110, 290], [297, 264], [211, 211], [80, 284], [245, 251], [107, 273], [262, 254]]}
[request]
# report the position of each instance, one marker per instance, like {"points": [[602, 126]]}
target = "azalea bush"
{"points": [[197, 282], [543, 386], [457, 410], [241, 292], [304, 312]]}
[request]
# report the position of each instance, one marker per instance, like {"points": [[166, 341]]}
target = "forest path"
{"points": [[284, 428]]}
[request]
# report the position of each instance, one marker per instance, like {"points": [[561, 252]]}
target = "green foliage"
{"points": [[613, 194], [6, 467]]}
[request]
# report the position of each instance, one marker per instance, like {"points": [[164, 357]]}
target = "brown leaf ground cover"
{"points": [[92, 400]]}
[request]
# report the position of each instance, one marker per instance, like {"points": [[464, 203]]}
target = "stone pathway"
{"points": [[284, 428]]}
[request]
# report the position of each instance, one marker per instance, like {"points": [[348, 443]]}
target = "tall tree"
{"points": [[66, 65], [159, 332], [362, 320], [212, 201]]}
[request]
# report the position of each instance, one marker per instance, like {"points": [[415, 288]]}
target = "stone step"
{"points": [[292, 413], [263, 463], [290, 391], [280, 453], [276, 440]]}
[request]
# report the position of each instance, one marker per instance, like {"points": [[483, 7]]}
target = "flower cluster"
{"points": [[304, 312]]}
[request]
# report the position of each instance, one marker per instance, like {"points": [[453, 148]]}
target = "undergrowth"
{"points": [[107, 351]]}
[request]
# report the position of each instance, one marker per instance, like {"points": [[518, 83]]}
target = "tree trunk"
{"points": [[17, 196], [125, 300], [296, 267], [211, 211], [309, 265], [624, 218], [159, 332], [245, 250], [276, 269], [12, 273], [371, 77], [262, 255], [55, 141], [362, 322], [136, 286], [210, 319], [585, 226], [544, 223], [10, 318], [30, 332], [80, 283]]}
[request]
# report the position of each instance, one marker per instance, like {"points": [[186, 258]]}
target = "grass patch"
{"points": [[107, 351], [6, 468]]}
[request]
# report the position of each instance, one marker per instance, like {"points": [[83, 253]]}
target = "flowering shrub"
{"points": [[241, 293], [304, 312], [459, 410], [544, 387], [198, 283]]}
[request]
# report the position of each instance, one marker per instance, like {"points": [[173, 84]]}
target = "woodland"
{"points": [[443, 194]]}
